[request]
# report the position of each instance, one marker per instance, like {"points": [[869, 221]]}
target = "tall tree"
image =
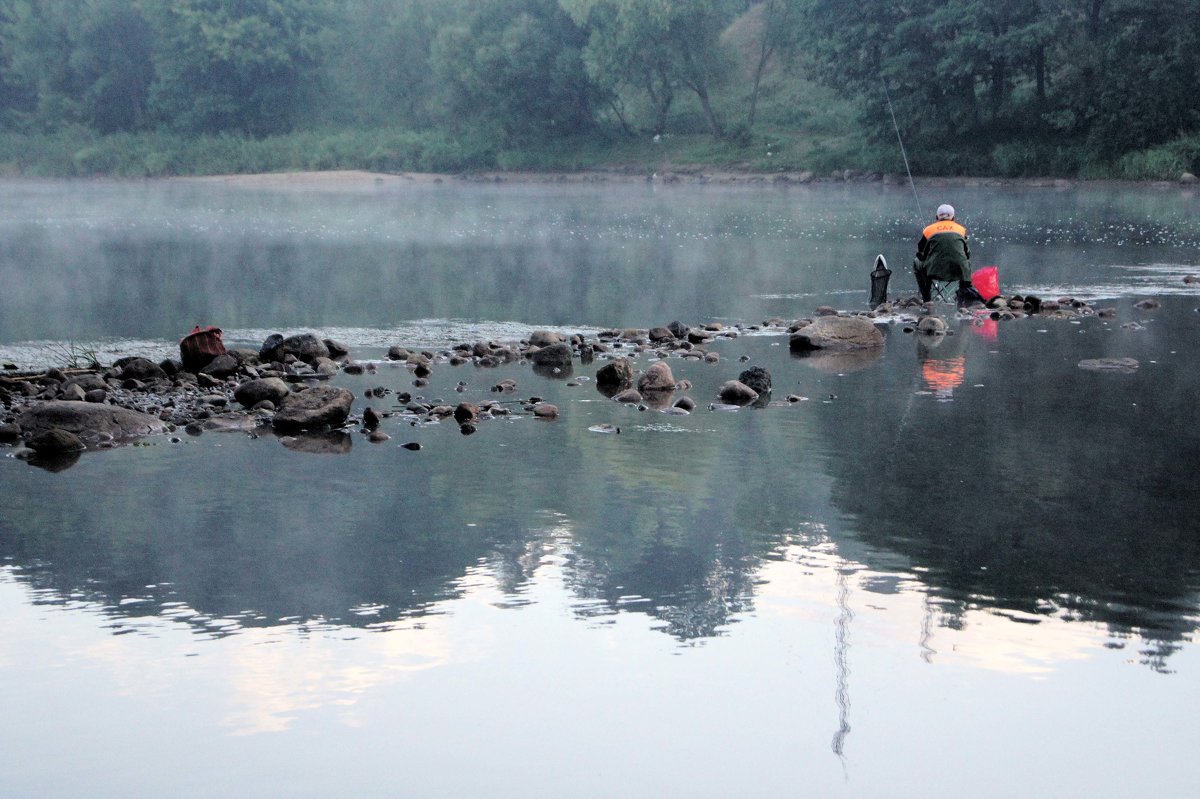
{"points": [[779, 24], [515, 68], [1131, 72], [76, 62], [376, 66], [659, 46], [111, 57], [230, 65], [36, 45]]}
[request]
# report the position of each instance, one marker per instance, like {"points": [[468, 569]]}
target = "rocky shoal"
{"points": [[52, 416]]}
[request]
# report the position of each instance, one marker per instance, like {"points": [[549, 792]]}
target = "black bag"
{"points": [[879, 282], [967, 295]]}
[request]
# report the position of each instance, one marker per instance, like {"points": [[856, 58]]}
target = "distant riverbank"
{"points": [[351, 179]]}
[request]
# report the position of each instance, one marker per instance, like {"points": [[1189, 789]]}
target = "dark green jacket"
{"points": [[942, 253]]}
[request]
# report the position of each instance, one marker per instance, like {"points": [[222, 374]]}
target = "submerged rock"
{"points": [[336, 442], [1121, 365]]}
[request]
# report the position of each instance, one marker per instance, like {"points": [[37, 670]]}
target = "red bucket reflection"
{"points": [[943, 375]]}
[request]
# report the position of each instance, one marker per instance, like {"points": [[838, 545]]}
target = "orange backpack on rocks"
{"points": [[198, 348]]}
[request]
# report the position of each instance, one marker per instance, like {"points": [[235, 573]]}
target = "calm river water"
{"points": [[962, 570]]}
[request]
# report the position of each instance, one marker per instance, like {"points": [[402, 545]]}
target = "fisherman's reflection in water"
{"points": [[943, 363], [943, 355]]}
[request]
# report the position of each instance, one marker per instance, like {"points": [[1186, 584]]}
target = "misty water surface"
{"points": [[965, 567]]}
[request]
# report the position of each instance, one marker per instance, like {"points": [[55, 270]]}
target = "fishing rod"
{"points": [[903, 153]]}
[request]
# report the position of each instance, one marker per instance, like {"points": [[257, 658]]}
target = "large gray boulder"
{"points": [[314, 408], [656, 378], [544, 338], [615, 374], [756, 378], [553, 356], [736, 392], [10, 433], [88, 382], [837, 333], [140, 369], [253, 392], [222, 366], [305, 346], [55, 442], [90, 421]]}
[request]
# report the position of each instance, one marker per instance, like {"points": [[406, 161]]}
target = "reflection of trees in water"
{"points": [[692, 586], [841, 658], [1045, 491]]}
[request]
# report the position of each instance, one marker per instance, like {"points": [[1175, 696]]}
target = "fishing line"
{"points": [[903, 153]]}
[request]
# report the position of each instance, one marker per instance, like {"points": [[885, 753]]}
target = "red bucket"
{"points": [[987, 282], [198, 348]]}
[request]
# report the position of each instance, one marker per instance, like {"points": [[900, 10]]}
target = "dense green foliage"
{"points": [[1009, 87]]}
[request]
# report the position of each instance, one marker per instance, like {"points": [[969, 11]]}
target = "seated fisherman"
{"points": [[943, 254]]}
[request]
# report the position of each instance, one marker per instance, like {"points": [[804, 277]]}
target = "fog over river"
{"points": [[961, 567]]}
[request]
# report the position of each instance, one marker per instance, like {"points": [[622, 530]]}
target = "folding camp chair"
{"points": [[940, 290], [937, 288]]}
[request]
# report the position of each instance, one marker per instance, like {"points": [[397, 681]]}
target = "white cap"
{"points": [[945, 211]]}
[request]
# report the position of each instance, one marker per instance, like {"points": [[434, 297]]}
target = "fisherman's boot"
{"points": [[924, 283], [966, 296]]}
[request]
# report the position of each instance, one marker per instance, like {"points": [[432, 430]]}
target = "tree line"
{"points": [[1007, 86]]}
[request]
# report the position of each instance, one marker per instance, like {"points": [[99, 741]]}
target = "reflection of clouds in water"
{"points": [[270, 685], [806, 582]]}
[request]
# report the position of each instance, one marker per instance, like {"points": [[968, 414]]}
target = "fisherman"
{"points": [[943, 254]]}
